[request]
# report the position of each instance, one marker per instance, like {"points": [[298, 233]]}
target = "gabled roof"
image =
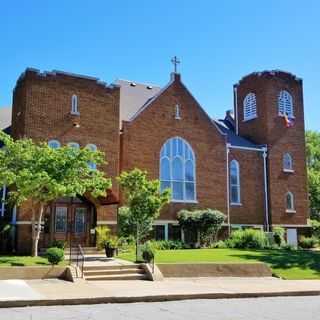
{"points": [[234, 139], [5, 117], [133, 96]]}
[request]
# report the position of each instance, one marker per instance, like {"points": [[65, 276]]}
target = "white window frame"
{"points": [[177, 112], [184, 160], [285, 104], [74, 105], [237, 185], [92, 147], [292, 206], [287, 158], [74, 145], [250, 107], [54, 142]]}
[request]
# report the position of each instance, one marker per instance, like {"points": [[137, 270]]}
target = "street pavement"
{"points": [[291, 308]]}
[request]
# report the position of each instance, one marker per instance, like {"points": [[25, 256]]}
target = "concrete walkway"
{"points": [[58, 292]]}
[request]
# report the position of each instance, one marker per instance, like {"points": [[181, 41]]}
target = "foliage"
{"points": [[147, 252], [111, 242], [278, 235], [58, 244], [168, 244], [247, 239], [313, 165], [308, 242], [102, 235], [143, 202], [207, 222], [315, 228], [220, 245], [55, 255], [37, 173], [288, 247]]}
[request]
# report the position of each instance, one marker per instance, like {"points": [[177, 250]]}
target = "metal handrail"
{"points": [[80, 259]]}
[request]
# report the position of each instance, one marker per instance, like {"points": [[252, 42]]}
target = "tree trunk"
{"points": [[36, 231]]}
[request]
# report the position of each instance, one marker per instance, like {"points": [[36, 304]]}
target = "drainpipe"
{"points": [[266, 189], [228, 190], [235, 91]]}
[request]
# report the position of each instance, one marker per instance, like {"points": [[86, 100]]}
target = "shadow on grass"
{"points": [[283, 259]]}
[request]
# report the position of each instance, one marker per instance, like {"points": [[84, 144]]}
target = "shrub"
{"points": [[58, 244], [219, 245], [247, 239], [147, 252], [111, 242], [102, 235], [55, 255], [315, 228], [289, 247], [278, 235], [167, 244], [308, 242]]}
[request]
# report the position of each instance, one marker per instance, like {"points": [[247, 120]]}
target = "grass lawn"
{"points": [[21, 261], [286, 264]]}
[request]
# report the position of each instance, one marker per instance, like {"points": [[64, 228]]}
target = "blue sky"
{"points": [[218, 42]]}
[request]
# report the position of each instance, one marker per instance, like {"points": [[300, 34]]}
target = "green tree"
{"points": [[36, 173], [143, 202], [313, 166]]}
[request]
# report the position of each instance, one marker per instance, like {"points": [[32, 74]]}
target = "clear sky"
{"points": [[218, 42]]}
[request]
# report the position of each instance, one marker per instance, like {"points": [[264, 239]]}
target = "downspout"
{"points": [[266, 189], [228, 190], [235, 91]]}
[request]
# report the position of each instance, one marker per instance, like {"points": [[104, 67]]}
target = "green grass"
{"points": [[21, 261], [285, 264]]}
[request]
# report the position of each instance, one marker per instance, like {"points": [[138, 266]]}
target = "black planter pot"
{"points": [[110, 252]]}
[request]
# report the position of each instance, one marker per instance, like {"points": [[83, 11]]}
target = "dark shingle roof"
{"points": [[234, 139]]}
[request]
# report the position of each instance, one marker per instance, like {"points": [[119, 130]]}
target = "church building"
{"points": [[251, 165]]}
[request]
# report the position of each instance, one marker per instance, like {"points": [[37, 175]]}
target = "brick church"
{"points": [[251, 165]]}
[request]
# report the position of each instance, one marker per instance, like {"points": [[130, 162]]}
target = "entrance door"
{"points": [[79, 221]]}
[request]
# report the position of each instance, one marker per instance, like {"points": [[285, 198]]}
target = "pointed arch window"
{"points": [[178, 170], [92, 147], [249, 107], [290, 202], [285, 104], [234, 182], [74, 105], [287, 162]]}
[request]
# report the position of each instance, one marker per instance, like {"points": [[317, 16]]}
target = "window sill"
{"points": [[288, 170], [75, 113], [248, 119], [290, 211], [283, 116], [184, 201], [236, 204]]}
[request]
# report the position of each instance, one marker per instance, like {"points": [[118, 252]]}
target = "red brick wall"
{"points": [[143, 138], [269, 129]]}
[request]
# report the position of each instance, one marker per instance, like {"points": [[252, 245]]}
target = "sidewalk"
{"points": [[15, 293]]}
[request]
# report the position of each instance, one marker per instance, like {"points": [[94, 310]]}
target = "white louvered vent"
{"points": [[249, 107], [285, 104]]}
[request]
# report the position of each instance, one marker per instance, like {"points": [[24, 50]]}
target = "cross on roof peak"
{"points": [[175, 61]]}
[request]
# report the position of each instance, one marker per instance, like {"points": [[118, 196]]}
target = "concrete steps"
{"points": [[123, 272]]}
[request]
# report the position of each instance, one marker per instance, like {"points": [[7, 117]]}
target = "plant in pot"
{"points": [[147, 252], [111, 246]]}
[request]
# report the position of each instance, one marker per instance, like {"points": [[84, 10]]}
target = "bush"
{"points": [[247, 239], [55, 255], [219, 245], [147, 252], [102, 235], [278, 235], [289, 247], [308, 242], [168, 244], [58, 244], [315, 228]]}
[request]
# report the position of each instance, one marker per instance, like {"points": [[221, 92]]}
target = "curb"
{"points": [[156, 298]]}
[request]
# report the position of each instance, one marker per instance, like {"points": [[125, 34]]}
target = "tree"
{"points": [[206, 223], [37, 173], [313, 167], [143, 202]]}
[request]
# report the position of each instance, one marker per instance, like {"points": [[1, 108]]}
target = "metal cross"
{"points": [[175, 62]]}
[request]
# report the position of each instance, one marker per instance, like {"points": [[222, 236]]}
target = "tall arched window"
{"points": [[178, 169], [285, 104], [92, 147], [290, 202], [54, 144], [234, 182], [249, 106], [287, 162], [74, 104]]}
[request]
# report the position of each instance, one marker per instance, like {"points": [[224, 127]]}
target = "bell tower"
{"points": [[269, 110]]}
